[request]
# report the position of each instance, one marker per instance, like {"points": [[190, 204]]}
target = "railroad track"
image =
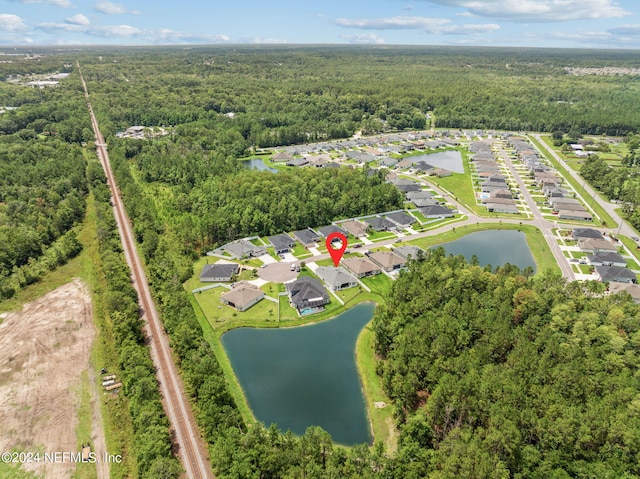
{"points": [[191, 448]]}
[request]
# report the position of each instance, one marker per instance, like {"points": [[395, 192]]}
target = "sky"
{"points": [[519, 23]]}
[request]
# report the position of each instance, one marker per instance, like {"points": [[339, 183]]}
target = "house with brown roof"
{"points": [[355, 227], [361, 267], [242, 296], [594, 245], [281, 156], [387, 260]]}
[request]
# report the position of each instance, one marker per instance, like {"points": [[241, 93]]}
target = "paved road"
{"points": [[191, 448]]}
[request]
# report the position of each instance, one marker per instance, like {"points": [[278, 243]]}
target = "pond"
{"points": [[305, 376], [258, 164], [494, 247], [449, 160]]}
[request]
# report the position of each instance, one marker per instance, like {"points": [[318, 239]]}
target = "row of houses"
{"points": [[549, 183], [610, 267], [496, 194]]}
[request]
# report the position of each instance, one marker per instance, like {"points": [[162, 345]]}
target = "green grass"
{"points": [[84, 429], [631, 246], [379, 284], [382, 422], [600, 212], [380, 235], [13, 471], [301, 252]]}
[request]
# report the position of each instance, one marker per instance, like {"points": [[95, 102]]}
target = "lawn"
{"points": [[380, 235], [379, 284]]}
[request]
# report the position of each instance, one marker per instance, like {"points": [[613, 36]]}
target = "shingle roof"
{"points": [[327, 230], [408, 250], [218, 270], [242, 295], [401, 218], [360, 265], [306, 236], [307, 292], [335, 277], [387, 259]]}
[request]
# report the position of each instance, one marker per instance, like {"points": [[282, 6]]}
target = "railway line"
{"points": [[191, 448]]}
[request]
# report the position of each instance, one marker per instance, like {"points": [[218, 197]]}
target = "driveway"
{"points": [[277, 272]]}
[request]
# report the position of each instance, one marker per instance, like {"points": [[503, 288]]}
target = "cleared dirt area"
{"points": [[44, 348]]}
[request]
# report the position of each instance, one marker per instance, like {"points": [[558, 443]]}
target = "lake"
{"points": [[305, 376], [449, 160], [494, 247], [258, 164]]}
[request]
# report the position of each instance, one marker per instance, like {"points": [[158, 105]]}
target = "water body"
{"points": [[494, 247], [449, 160], [259, 164], [305, 376]]}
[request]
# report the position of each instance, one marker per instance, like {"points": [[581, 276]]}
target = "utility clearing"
{"points": [[44, 349]]}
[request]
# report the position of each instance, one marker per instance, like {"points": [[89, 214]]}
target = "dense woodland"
{"points": [[492, 374]]}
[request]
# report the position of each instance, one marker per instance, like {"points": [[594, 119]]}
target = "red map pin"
{"points": [[336, 254]]}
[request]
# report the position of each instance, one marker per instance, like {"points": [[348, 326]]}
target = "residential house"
{"points": [[336, 279], [327, 230], [504, 193], [307, 295], [629, 288], [403, 220], [378, 223], [355, 227], [304, 161], [281, 157], [425, 202], [282, 243], [408, 252], [580, 233], [243, 249], [607, 259], [574, 215], [493, 207], [307, 238], [594, 245], [242, 296], [218, 272], [387, 260], [615, 274], [361, 267], [436, 211], [419, 195]]}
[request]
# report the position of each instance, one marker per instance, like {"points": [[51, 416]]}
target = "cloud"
{"points": [[430, 25], [539, 10], [394, 23], [110, 8], [166, 35], [103, 31], [626, 30], [363, 39], [159, 36], [11, 23], [78, 19], [55, 3]]}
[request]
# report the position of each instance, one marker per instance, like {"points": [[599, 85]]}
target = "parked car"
{"points": [[293, 266], [635, 238]]}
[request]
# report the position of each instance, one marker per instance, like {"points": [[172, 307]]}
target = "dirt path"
{"points": [[44, 348]]}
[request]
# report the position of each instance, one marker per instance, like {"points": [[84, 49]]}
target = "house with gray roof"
{"points": [[425, 202], [282, 243], [579, 233], [307, 238], [436, 211], [327, 230], [218, 272], [615, 273], [378, 223], [595, 245], [418, 195], [607, 259], [403, 220], [408, 251], [336, 279], [242, 296], [387, 162], [304, 161], [574, 215], [306, 293], [243, 249], [509, 208]]}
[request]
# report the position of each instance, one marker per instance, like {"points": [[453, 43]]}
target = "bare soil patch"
{"points": [[44, 348]]}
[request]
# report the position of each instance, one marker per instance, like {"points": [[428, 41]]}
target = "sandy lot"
{"points": [[43, 350]]}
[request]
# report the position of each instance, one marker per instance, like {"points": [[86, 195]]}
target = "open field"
{"points": [[44, 349]]}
